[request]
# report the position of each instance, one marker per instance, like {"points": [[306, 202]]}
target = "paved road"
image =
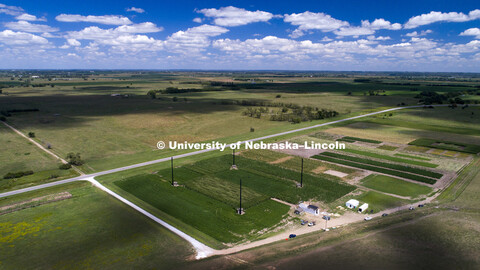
{"points": [[82, 177], [202, 250]]}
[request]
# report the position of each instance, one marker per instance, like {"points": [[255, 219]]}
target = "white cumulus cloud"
{"points": [[137, 10], [416, 34], [193, 39], [354, 31], [10, 10], [10, 37], [378, 24], [94, 32], [30, 27], [105, 19], [29, 17], [233, 16], [314, 21], [73, 42], [471, 32], [436, 16]]}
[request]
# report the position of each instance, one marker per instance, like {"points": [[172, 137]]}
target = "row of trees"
{"points": [[430, 97], [297, 115]]}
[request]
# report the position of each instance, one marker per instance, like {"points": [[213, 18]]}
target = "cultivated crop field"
{"points": [[208, 195]]}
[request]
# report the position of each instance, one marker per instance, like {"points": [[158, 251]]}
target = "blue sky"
{"points": [[282, 35]]}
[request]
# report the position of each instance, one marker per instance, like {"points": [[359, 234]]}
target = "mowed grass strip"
{"points": [[390, 158], [396, 186], [377, 169], [412, 157], [447, 145], [385, 165], [208, 215]]}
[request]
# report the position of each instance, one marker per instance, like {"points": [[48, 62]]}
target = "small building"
{"points": [[352, 203], [363, 207], [309, 208]]}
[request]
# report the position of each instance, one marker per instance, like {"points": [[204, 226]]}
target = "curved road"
{"points": [[201, 249]]}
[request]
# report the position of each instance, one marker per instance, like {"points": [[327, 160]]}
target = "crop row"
{"points": [[390, 158], [378, 169], [385, 165], [361, 140]]}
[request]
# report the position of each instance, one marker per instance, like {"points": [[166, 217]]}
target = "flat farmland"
{"points": [[441, 119], [209, 192], [90, 230], [397, 134], [395, 186], [111, 131], [18, 154]]}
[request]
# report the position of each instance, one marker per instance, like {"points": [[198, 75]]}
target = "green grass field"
{"points": [[18, 154], [447, 145], [378, 201], [206, 214], [91, 230], [395, 186], [438, 120]]}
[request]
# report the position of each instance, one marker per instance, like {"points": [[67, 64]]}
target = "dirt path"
{"points": [[284, 202], [347, 218], [41, 147], [281, 160]]}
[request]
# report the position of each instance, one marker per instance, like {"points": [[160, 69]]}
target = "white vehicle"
{"points": [[368, 218]]}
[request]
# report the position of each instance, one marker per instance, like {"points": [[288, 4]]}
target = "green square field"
{"points": [[396, 186]]}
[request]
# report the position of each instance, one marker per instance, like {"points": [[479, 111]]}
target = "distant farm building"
{"points": [[308, 208], [363, 207], [352, 203]]}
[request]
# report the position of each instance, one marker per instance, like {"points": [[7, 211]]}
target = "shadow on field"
{"points": [[428, 244], [62, 111]]}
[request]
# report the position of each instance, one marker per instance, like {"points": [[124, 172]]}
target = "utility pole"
{"points": [[171, 162], [240, 194], [240, 210]]}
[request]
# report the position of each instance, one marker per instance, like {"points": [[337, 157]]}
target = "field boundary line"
{"points": [[41, 146]]}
